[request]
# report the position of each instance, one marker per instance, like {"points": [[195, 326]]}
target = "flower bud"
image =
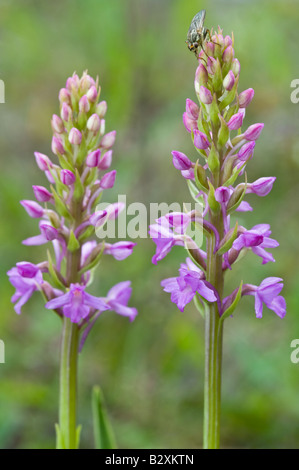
{"points": [[222, 194], [75, 136], [84, 105], [93, 123], [57, 124], [192, 109], [227, 41], [66, 112], [98, 217], [43, 162], [32, 208], [245, 97], [200, 140], [93, 158], [188, 174], [108, 140], [253, 132], [108, 180], [228, 55], [201, 77], [235, 121], [57, 146], [113, 210], [42, 194], [105, 161], [190, 124], [102, 127], [262, 186], [229, 81], [236, 67], [181, 161], [64, 96], [67, 177], [26, 269], [50, 177], [211, 65], [86, 82], [205, 95], [101, 109], [246, 151], [92, 94], [49, 232]]}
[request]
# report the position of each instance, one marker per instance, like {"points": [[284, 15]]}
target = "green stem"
{"points": [[67, 437], [213, 347], [68, 385]]}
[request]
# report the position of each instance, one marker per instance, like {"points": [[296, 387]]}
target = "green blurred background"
{"points": [[151, 371]]}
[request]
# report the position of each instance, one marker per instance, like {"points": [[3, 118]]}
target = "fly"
{"points": [[197, 33]]}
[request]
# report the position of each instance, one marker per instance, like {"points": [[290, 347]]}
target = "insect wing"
{"points": [[198, 21]]}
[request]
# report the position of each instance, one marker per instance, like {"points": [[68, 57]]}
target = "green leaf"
{"points": [[59, 439], [199, 306], [213, 159], [200, 177], [93, 261], [234, 176], [229, 242], [236, 198], [193, 190], [233, 306], [78, 434], [53, 273], [60, 205], [226, 99], [217, 77], [78, 188], [103, 433], [223, 133], [214, 205], [214, 112], [73, 243]]}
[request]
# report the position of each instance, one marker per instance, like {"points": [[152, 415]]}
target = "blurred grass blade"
{"points": [[103, 433]]}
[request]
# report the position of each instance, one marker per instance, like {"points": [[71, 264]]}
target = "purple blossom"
{"points": [[164, 239], [26, 278], [48, 233], [184, 287], [268, 293], [76, 304], [257, 239], [118, 297], [119, 250]]}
